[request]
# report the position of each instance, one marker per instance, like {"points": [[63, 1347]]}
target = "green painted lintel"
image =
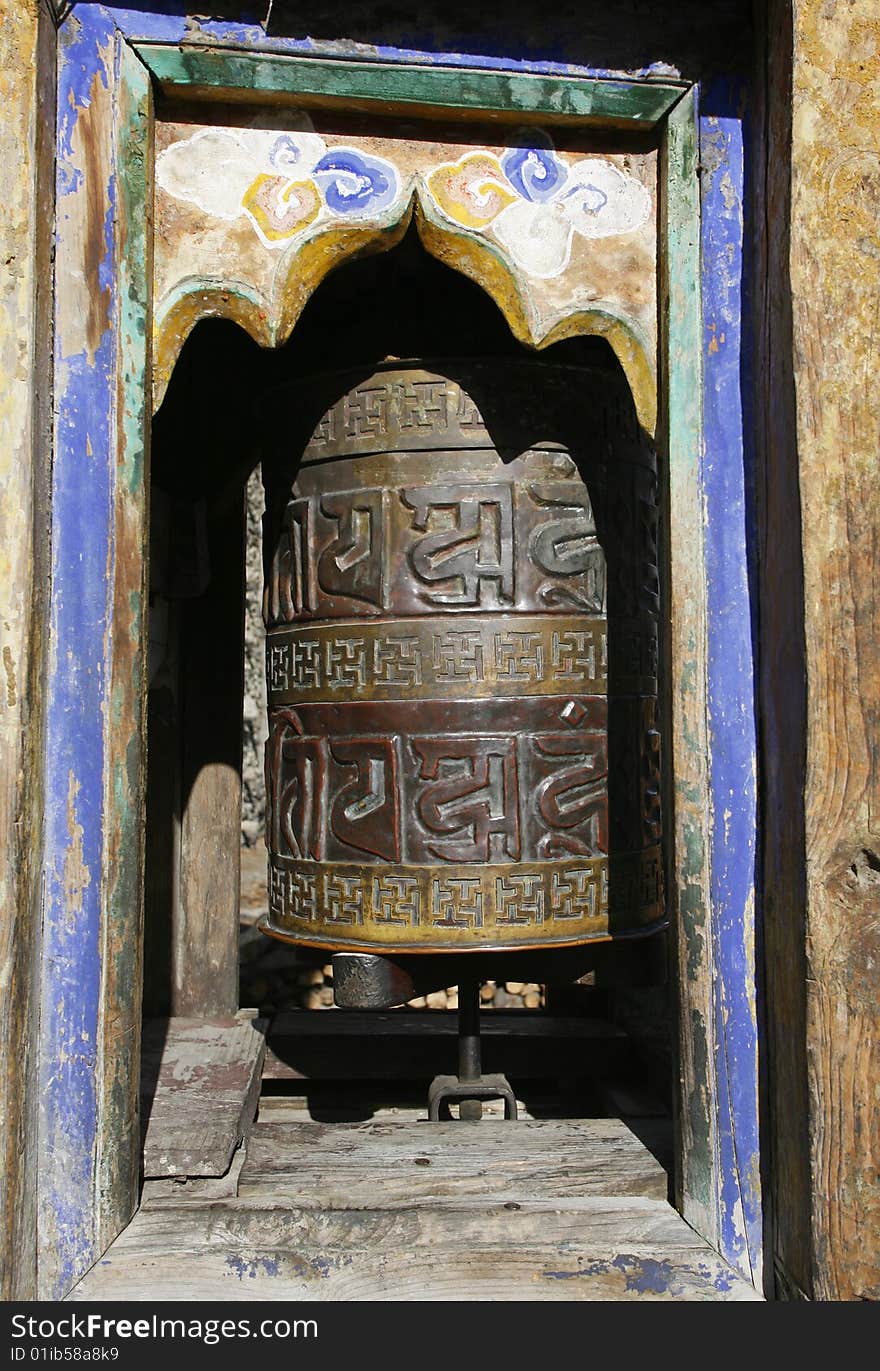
{"points": [[186, 69]]}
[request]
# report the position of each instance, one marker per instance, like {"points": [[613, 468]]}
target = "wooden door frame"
{"points": [[95, 754]]}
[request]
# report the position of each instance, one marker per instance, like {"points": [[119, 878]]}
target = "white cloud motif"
{"points": [[212, 170], [215, 167], [291, 152], [538, 237], [600, 201]]}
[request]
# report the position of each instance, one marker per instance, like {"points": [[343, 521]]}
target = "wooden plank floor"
{"points": [[401, 1209]]}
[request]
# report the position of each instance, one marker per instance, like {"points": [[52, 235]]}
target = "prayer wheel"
{"points": [[461, 606]]}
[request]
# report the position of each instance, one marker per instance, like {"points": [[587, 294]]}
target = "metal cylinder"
{"points": [[461, 607]]}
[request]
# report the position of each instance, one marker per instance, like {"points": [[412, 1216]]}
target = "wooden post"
{"points": [[94, 684], [204, 977], [688, 879], [781, 680], [824, 995], [27, 79]]}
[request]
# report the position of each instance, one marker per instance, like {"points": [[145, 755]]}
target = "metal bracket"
{"points": [[444, 1089]]}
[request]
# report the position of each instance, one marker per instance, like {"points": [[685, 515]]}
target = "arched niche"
{"points": [[552, 264], [206, 438]]}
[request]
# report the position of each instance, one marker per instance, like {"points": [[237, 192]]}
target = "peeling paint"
{"points": [[654, 1278], [77, 674], [77, 876], [732, 727], [9, 668], [176, 25]]}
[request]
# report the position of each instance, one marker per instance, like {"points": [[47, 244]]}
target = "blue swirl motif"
{"points": [[354, 183], [285, 153], [536, 173], [592, 198]]}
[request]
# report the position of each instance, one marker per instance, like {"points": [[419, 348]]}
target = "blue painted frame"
{"points": [[83, 816], [730, 664], [75, 757]]}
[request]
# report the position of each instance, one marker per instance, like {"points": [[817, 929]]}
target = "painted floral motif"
{"points": [[471, 191], [279, 208], [528, 199], [282, 182], [533, 203], [535, 172], [355, 184]]}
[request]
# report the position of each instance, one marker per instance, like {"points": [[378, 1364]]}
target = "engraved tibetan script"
{"points": [[466, 555], [469, 804]]}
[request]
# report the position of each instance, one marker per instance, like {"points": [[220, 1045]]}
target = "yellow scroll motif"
{"points": [[472, 191], [281, 207]]}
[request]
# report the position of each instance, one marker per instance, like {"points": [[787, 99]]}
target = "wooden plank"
{"points": [[89, 996], [191, 70], [475, 1274], [201, 1083], [689, 801], [204, 975], [834, 264], [27, 79], [728, 475], [781, 678], [411, 1045], [185, 1191], [162, 839], [599, 1249], [394, 1165], [118, 1134], [595, 1222]]}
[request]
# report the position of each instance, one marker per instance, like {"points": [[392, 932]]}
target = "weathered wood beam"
{"points": [[27, 80], [94, 685], [689, 804], [834, 263], [213, 73], [390, 1165], [781, 676], [728, 478], [204, 974], [200, 1086], [466, 1248]]}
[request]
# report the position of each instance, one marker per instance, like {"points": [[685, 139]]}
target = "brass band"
{"points": [[408, 659], [464, 908], [472, 405]]}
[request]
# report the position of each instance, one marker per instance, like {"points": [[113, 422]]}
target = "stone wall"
{"points": [[254, 729]]}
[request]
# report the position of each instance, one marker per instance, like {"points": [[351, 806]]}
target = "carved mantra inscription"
{"points": [[392, 783], [412, 411], [463, 748], [424, 549]]}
